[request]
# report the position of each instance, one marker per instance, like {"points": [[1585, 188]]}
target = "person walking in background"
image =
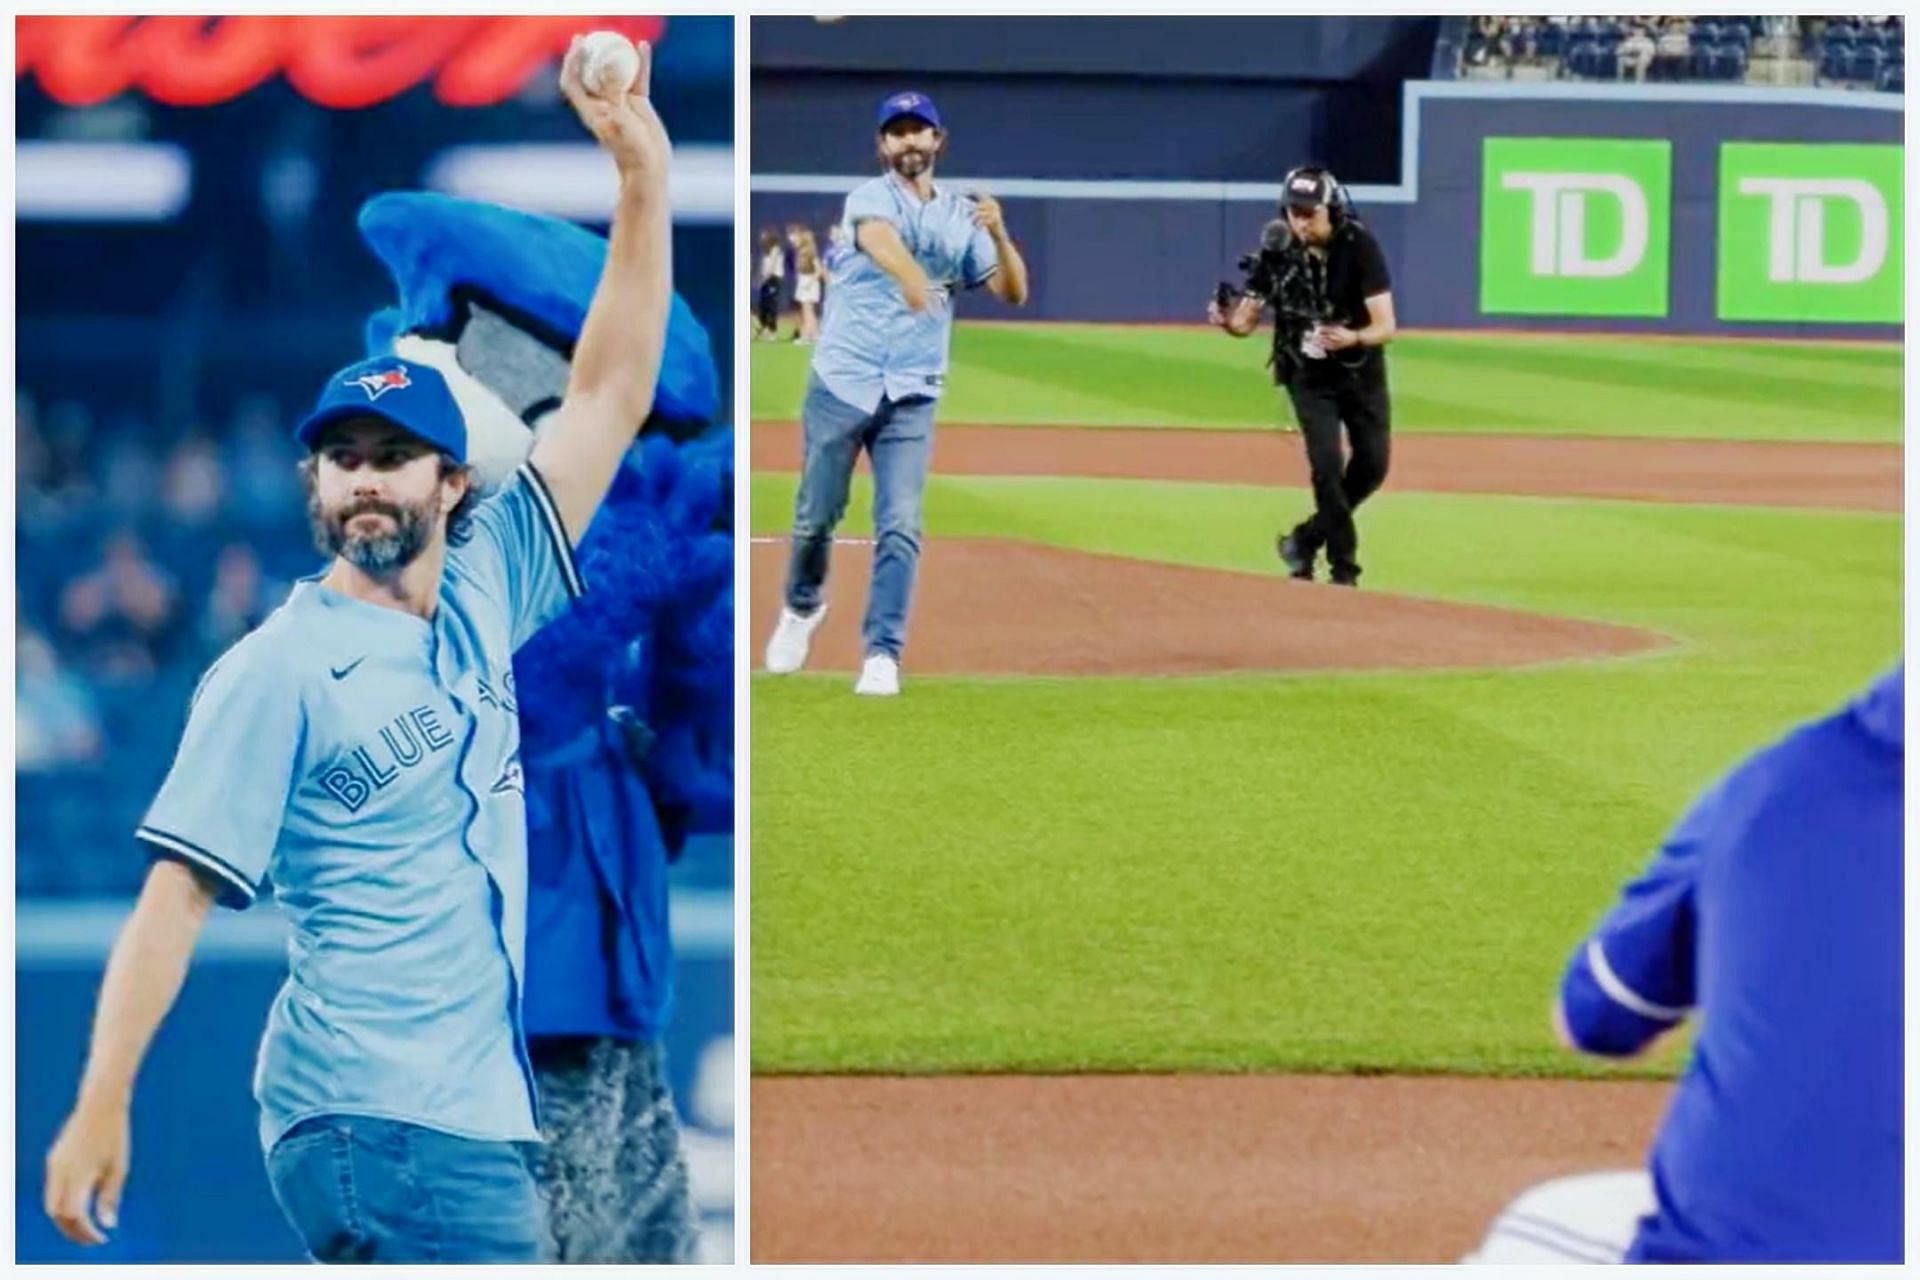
{"points": [[877, 375], [1326, 279], [808, 278], [773, 274], [1773, 910]]}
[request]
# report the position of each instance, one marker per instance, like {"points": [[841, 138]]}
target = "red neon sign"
{"points": [[336, 62]]}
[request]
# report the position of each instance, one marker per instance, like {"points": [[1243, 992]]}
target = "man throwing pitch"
{"points": [[360, 751], [1326, 281], [877, 373]]}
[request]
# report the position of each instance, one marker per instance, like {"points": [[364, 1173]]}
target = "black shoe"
{"points": [[1299, 562], [1345, 578]]}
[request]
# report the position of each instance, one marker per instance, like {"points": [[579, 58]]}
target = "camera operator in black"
{"points": [[1323, 274]]}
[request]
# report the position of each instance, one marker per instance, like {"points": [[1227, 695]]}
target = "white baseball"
{"points": [[609, 64]]}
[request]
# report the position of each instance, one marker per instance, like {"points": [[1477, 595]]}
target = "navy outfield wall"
{"points": [[1230, 98], [1150, 251]]}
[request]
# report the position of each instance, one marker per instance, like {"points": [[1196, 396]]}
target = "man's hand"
{"points": [[1239, 321], [1009, 283], [627, 126], [1337, 337], [86, 1171], [987, 216]]}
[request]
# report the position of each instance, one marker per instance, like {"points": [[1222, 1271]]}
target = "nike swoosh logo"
{"points": [[341, 673]]}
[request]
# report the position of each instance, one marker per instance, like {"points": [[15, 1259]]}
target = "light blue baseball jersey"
{"points": [[365, 762], [871, 345]]}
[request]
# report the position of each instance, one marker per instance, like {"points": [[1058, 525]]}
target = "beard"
{"points": [[911, 163], [375, 553]]}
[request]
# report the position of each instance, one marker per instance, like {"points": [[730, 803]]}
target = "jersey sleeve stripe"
{"points": [[562, 546], [985, 276], [226, 871], [1620, 993]]}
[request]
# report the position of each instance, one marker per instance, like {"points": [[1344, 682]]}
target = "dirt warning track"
{"points": [[1167, 1168]]}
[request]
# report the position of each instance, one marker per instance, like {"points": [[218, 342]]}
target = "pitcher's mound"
{"points": [[990, 606]]}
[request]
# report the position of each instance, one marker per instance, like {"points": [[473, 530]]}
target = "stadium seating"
{"points": [[1729, 49]]}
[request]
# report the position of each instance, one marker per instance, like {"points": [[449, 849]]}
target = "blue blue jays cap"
{"points": [[411, 396], [909, 103]]}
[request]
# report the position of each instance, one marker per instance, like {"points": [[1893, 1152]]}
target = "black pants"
{"points": [[767, 305], [1342, 479]]}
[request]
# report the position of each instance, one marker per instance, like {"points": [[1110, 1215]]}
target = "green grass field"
{"points": [[1368, 872], [1092, 375]]}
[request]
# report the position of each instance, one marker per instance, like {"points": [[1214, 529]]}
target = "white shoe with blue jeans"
{"points": [[365, 1189], [898, 437]]}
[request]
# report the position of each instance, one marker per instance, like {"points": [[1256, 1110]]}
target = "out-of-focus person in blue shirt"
{"points": [[57, 720], [1773, 913], [877, 373]]}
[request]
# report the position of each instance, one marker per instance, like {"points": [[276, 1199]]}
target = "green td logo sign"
{"points": [[1811, 232], [1575, 226]]}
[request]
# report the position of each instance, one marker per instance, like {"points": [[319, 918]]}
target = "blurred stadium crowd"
{"points": [[1853, 52], [145, 549]]}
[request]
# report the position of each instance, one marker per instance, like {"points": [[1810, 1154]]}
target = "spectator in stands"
{"points": [[193, 486], [1636, 53], [56, 721], [32, 460], [129, 471], [61, 486], [1498, 41], [1672, 50], [240, 600], [261, 478], [123, 615]]}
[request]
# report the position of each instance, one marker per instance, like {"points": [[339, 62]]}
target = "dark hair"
{"points": [[459, 520]]}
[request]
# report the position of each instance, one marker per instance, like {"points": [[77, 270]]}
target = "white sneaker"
{"points": [[787, 650], [880, 677]]}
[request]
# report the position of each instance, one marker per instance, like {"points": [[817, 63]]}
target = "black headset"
{"points": [[1326, 191]]}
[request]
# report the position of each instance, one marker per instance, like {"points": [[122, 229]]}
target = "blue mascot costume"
{"points": [[626, 708]]}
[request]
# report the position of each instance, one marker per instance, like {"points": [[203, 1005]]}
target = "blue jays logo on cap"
{"points": [[413, 397], [909, 103], [378, 384]]}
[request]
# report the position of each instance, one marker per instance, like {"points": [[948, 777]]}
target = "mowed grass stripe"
{"points": [[1121, 376]]}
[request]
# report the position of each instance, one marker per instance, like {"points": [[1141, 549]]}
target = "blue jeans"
{"points": [[362, 1189], [898, 437]]}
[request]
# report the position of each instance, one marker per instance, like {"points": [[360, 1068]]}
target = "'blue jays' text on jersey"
{"points": [[1775, 909], [366, 762], [871, 345]]}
